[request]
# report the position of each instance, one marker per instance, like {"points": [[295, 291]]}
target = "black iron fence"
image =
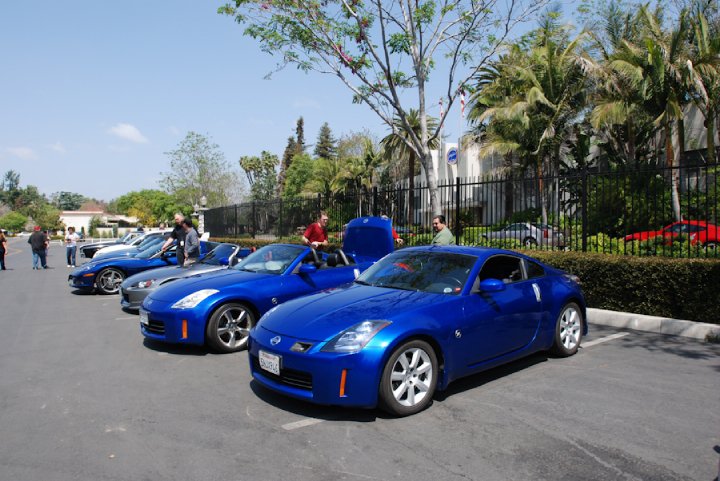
{"points": [[635, 211]]}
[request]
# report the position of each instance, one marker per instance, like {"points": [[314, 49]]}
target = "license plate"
{"points": [[144, 318], [270, 362]]}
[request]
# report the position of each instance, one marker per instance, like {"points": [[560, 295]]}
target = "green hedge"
{"points": [[656, 286]]}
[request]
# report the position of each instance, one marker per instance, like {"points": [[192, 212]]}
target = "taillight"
{"points": [[545, 233]]}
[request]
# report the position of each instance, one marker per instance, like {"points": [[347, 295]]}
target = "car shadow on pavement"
{"points": [[476, 380], [315, 411], [679, 346], [178, 349], [84, 292]]}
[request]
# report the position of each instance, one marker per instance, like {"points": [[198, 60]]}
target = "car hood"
{"points": [[169, 272], [95, 266], [220, 280], [323, 315], [125, 252]]}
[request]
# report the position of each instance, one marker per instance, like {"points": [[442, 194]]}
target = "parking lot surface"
{"points": [[83, 397]]}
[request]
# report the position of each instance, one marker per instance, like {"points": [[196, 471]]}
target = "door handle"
{"points": [[538, 296]]}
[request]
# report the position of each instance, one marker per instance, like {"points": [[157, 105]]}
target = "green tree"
{"points": [[10, 188], [67, 200], [301, 171], [150, 206], [326, 145], [396, 150], [197, 168], [261, 175], [385, 53], [13, 221]]}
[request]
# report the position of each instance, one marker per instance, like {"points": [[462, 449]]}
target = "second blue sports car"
{"points": [[412, 323], [219, 308]]}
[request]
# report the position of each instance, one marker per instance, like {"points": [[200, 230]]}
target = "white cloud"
{"points": [[128, 132], [24, 153], [58, 147]]}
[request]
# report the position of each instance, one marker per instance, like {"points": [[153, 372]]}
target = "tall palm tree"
{"points": [[534, 101], [396, 150]]}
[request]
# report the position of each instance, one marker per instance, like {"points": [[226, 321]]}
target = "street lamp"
{"points": [[201, 214]]}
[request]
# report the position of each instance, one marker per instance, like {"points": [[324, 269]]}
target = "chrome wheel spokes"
{"points": [[570, 328], [234, 327], [411, 377]]}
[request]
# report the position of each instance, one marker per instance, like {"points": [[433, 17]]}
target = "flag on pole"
{"points": [[462, 103]]}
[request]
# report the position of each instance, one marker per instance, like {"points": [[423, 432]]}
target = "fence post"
{"points": [[375, 201], [253, 220], [235, 228], [319, 205], [584, 207], [280, 224], [458, 227]]}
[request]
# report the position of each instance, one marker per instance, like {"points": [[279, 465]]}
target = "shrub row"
{"points": [[656, 286]]}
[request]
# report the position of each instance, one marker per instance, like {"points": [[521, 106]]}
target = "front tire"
{"points": [[229, 327], [409, 379], [108, 281], [568, 330]]}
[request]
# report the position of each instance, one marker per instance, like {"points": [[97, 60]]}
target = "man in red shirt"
{"points": [[316, 235]]}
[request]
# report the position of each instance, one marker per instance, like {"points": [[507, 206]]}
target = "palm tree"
{"points": [[704, 78], [396, 149], [534, 99]]}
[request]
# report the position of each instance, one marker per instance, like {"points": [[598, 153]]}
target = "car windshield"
{"points": [[149, 240], [272, 259], [223, 251], [149, 251], [437, 272], [126, 238]]}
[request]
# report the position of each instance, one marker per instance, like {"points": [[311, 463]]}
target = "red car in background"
{"points": [[698, 231]]}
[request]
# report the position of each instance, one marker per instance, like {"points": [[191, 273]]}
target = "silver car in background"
{"points": [[529, 234], [135, 288]]}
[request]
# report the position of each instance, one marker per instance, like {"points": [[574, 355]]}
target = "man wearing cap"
{"points": [[39, 242]]}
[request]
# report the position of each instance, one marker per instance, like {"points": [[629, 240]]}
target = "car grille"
{"points": [[291, 377], [156, 327]]}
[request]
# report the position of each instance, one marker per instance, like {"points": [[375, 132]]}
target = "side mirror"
{"points": [[492, 285], [307, 269], [224, 261]]}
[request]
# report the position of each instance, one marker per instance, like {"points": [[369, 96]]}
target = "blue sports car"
{"points": [[106, 275], [413, 322], [219, 308]]}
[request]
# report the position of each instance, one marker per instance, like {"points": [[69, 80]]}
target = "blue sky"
{"points": [[93, 93]]}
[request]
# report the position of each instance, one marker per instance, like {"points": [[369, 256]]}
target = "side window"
{"points": [[534, 270], [505, 268]]}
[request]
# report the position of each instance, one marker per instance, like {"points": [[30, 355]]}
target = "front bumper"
{"points": [[166, 324], [132, 298], [316, 376], [84, 282]]}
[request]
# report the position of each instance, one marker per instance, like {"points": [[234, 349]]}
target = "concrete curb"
{"points": [[659, 325]]}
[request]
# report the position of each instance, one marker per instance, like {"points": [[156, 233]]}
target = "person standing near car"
{"points": [[192, 244], [316, 235], [71, 239], [3, 250], [177, 234], [443, 236], [39, 243]]}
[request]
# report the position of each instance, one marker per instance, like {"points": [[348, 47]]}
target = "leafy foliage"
{"points": [[261, 175]]}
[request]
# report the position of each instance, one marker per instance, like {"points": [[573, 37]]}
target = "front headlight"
{"points": [[146, 284], [192, 300], [356, 337]]}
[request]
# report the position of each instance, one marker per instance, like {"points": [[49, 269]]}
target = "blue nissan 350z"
{"points": [[220, 308], [413, 322]]}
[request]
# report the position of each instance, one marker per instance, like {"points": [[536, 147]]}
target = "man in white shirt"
{"points": [[71, 239]]}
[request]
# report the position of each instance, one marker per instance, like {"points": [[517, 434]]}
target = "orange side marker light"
{"points": [[343, 378]]}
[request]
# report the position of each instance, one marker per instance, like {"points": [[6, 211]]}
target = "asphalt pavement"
{"points": [[83, 397]]}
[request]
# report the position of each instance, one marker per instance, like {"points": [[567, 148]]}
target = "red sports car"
{"points": [[698, 231]]}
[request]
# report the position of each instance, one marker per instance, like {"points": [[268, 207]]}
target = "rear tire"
{"points": [[568, 330], [409, 379]]}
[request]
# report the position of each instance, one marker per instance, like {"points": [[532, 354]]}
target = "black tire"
{"points": [[405, 404], [108, 281], [529, 242], [229, 327], [568, 330]]}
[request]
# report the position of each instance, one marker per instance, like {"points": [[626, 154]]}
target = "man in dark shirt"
{"points": [[177, 234], [192, 243], [39, 242]]}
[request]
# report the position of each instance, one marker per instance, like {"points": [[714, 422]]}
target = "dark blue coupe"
{"points": [[219, 308], [412, 323], [106, 275]]}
